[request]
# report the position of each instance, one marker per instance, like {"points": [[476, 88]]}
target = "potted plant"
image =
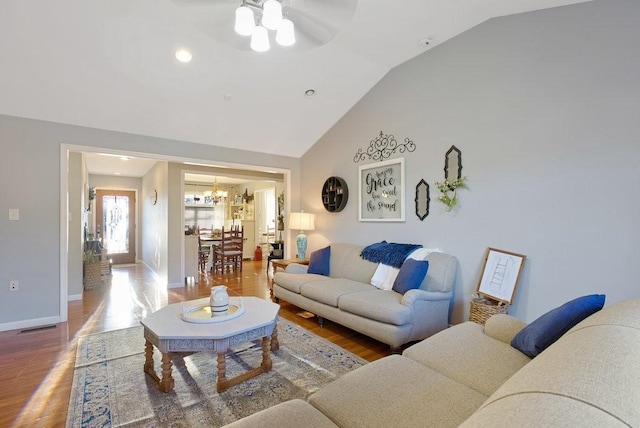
{"points": [[92, 196], [91, 264]]}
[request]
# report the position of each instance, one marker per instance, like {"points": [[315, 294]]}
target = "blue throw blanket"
{"points": [[388, 253]]}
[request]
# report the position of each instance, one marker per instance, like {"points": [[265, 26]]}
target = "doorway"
{"points": [[265, 200], [115, 224]]}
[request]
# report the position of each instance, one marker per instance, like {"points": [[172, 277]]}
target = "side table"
{"points": [[282, 264]]}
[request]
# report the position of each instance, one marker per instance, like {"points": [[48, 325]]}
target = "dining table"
{"points": [[211, 242]]}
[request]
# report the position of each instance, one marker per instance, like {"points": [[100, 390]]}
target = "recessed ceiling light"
{"points": [[310, 92], [183, 55]]}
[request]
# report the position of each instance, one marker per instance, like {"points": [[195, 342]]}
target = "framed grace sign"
{"points": [[381, 191]]}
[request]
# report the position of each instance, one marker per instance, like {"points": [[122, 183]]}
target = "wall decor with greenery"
{"points": [[449, 191], [453, 179]]}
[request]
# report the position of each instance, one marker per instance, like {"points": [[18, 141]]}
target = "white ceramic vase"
{"points": [[219, 300]]}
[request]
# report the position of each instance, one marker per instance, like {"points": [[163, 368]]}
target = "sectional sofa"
{"points": [[347, 297], [470, 376]]}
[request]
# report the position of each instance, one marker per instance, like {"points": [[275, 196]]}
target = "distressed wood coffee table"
{"points": [[166, 330]]}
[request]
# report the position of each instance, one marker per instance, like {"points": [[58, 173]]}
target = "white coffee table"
{"points": [[166, 329]]}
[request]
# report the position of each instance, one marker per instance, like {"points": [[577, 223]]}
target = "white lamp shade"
{"points": [[260, 39], [271, 14], [302, 221], [245, 22], [285, 35]]}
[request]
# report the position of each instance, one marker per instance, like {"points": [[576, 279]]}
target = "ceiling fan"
{"points": [[316, 21]]}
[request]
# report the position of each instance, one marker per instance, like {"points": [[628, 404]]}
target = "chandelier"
{"points": [[272, 19], [216, 196]]}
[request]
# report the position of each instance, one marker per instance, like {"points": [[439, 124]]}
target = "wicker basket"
{"points": [[92, 275], [482, 308]]}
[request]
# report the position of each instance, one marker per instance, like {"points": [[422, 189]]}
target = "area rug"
{"points": [[110, 388]]}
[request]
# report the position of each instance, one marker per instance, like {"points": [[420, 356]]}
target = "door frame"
{"points": [[64, 213]]}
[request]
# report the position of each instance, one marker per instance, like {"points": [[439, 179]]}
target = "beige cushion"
{"points": [[345, 262], [503, 327], [293, 281], [534, 410], [329, 290], [379, 305], [622, 314], [294, 413], [396, 392], [464, 353], [596, 365]]}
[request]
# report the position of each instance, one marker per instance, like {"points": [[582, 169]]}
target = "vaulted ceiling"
{"points": [[111, 64]]}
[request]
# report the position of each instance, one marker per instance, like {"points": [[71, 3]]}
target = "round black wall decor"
{"points": [[335, 194]]}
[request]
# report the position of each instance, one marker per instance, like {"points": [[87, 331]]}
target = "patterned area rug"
{"points": [[111, 390]]}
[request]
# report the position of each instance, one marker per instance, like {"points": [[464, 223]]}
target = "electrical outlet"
{"points": [[13, 285]]}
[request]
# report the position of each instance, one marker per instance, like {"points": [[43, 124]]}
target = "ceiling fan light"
{"points": [[285, 35], [271, 14], [260, 39], [245, 22]]}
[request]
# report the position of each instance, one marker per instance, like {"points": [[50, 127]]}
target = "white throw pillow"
{"points": [[384, 277]]}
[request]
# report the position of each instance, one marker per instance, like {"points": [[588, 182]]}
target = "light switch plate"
{"points": [[14, 214]]}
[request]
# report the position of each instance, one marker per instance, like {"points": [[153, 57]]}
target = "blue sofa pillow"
{"points": [[541, 333], [319, 261], [411, 275]]}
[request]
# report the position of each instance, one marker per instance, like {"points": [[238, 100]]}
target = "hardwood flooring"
{"points": [[36, 367]]}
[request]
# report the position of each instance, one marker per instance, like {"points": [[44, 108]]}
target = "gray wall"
{"points": [[154, 225], [30, 176], [29, 179], [544, 107]]}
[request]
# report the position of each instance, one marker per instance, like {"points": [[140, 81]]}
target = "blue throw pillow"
{"points": [[319, 261], [411, 275], [541, 333]]}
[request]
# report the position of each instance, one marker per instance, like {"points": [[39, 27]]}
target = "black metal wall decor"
{"points": [[422, 199], [453, 164], [383, 146]]}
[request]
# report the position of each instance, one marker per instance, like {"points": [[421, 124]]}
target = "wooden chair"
{"points": [[203, 256], [276, 254], [228, 254]]}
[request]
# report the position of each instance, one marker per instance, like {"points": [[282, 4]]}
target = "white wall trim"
{"points": [[36, 322], [64, 231], [64, 211], [74, 297]]}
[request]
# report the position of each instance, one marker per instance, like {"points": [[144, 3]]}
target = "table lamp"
{"points": [[302, 221]]}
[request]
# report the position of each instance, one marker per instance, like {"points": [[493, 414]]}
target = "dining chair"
{"points": [[203, 255], [229, 251]]}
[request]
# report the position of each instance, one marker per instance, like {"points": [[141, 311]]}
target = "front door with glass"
{"points": [[115, 219]]}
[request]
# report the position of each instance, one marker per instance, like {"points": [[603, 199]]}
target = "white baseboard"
{"points": [[74, 297], [36, 322]]}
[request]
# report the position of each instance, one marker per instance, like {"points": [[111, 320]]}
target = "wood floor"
{"points": [[36, 367]]}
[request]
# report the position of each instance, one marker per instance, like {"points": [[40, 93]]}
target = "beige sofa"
{"points": [[348, 298], [470, 376]]}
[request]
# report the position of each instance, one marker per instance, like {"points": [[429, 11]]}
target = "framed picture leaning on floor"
{"points": [[500, 275]]}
